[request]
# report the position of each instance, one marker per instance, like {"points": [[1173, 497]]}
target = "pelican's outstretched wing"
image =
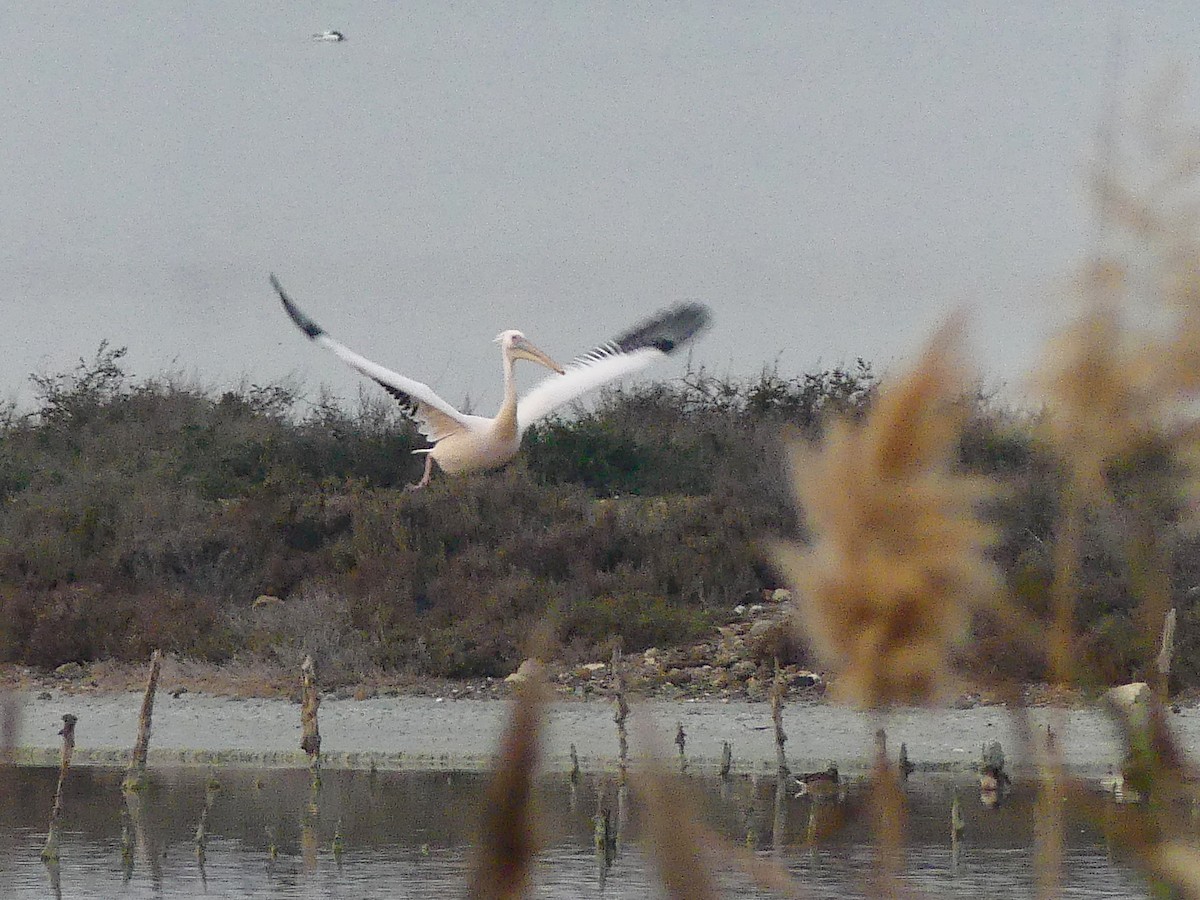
{"points": [[653, 340], [434, 416]]}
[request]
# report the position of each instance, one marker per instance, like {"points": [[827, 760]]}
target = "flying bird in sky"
{"points": [[329, 36], [467, 443]]}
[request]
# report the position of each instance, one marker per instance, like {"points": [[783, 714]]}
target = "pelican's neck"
{"points": [[506, 418]]}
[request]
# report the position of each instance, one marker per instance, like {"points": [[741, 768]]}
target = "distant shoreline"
{"points": [[430, 733]]}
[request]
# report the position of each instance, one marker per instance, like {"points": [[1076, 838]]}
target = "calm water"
{"points": [[407, 835]]}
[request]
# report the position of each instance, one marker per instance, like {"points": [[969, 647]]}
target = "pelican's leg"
{"points": [[424, 482]]}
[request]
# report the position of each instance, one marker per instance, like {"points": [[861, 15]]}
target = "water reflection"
{"points": [[268, 834]]}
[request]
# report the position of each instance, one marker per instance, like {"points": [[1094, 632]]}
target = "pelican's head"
{"points": [[516, 346]]}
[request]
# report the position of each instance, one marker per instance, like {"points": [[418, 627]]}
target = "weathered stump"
{"points": [[135, 776], [50, 851]]}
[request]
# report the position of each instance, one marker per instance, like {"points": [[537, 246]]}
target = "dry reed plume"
{"points": [[508, 840], [1122, 382], [897, 562], [1126, 371]]}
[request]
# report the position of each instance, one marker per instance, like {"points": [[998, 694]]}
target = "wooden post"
{"points": [[778, 689], [202, 829], [603, 841], [9, 720], [575, 776], [726, 759], [1165, 652], [310, 737], [339, 844], [956, 830], [681, 743], [135, 776], [50, 851], [211, 787], [619, 717], [779, 819]]}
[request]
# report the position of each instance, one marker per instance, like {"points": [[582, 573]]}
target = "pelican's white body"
{"points": [[466, 443]]}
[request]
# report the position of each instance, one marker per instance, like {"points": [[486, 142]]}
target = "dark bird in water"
{"points": [[819, 785]]}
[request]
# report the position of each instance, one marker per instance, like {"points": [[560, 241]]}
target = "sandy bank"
{"points": [[425, 733]]}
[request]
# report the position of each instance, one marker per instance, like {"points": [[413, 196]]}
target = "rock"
{"points": [[718, 678], [525, 671], [742, 669], [588, 671], [1133, 701], [724, 658], [740, 609], [770, 639], [70, 670], [679, 676], [755, 689], [698, 655], [45, 695], [781, 595], [1124, 696], [759, 629], [266, 600], [802, 678]]}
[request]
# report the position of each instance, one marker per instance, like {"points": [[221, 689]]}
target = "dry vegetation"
{"points": [[146, 514]]}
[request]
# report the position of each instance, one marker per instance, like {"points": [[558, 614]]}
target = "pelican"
{"points": [[328, 36], [466, 443]]}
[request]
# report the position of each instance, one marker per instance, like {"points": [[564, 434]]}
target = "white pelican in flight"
{"points": [[466, 443], [329, 36]]}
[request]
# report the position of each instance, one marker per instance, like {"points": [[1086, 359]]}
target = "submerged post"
{"points": [[310, 736], [681, 743], [620, 716], [779, 819], [50, 851], [9, 715], [956, 830], [603, 835], [575, 775], [778, 689], [726, 758], [211, 787], [135, 776]]}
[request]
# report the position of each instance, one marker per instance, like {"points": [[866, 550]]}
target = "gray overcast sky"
{"points": [[831, 178]]}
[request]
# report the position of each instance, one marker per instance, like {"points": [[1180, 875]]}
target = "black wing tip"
{"points": [[310, 328], [669, 330]]}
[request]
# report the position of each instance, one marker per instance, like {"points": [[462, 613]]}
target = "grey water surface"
{"points": [[409, 834]]}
